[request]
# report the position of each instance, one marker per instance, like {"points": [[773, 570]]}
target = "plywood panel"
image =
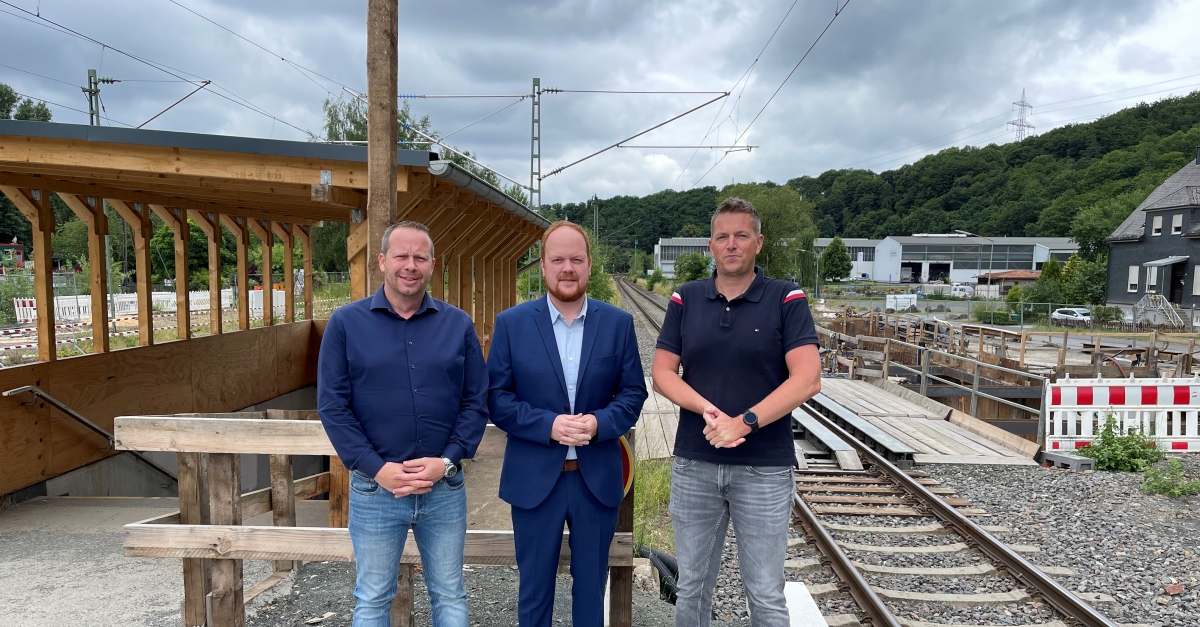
{"points": [[24, 431], [236, 370]]}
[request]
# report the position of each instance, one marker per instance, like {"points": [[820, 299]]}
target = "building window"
{"points": [[1157, 230], [1151, 278], [1133, 278], [1177, 224]]}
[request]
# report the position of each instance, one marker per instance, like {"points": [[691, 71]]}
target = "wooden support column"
{"points": [[225, 508], [620, 578], [304, 235], [137, 216], [283, 495], [210, 223], [339, 493], [193, 509], [35, 205], [283, 230], [356, 254], [382, 29], [241, 235], [90, 211], [402, 604], [262, 230], [176, 218], [484, 268]]}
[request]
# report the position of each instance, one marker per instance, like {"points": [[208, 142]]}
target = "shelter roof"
{"points": [[1013, 275]]}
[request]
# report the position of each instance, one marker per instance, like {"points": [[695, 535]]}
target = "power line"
{"points": [[500, 110], [1107, 93], [68, 108], [924, 142], [555, 90], [38, 75], [158, 66], [836, 12]]}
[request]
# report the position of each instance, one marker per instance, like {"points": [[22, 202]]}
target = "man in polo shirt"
{"points": [[402, 392], [748, 348]]}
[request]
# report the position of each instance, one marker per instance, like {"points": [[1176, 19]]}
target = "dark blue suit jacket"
{"points": [[527, 389]]}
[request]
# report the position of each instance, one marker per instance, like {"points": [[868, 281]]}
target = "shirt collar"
{"points": [[555, 314], [380, 301], [752, 293]]}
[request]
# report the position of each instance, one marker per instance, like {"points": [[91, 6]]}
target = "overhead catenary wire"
{"points": [[606, 149], [836, 12], [555, 90], [19, 94], [49, 78], [500, 110]]}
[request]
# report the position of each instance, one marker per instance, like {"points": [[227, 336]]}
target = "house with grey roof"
{"points": [[1157, 249]]}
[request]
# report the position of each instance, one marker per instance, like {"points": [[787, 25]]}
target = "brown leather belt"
{"points": [[570, 465]]}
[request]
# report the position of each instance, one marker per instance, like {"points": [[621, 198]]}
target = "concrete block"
{"points": [[1068, 460]]}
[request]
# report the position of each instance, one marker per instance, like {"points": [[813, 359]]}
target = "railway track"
{"points": [[890, 575], [650, 309]]}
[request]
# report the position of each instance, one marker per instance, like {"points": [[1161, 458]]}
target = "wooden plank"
{"points": [[339, 493], [289, 261], [304, 235], [97, 228], [264, 585], [997, 460], [219, 435], [224, 476], [993, 433], [241, 542], [402, 603], [979, 444], [283, 501], [266, 240], [801, 479], [195, 579]]}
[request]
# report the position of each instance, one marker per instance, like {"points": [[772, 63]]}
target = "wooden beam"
{"points": [[224, 498], [242, 542], [339, 493], [335, 195], [304, 235], [620, 576], [90, 211], [210, 223], [176, 219], [382, 126], [356, 254], [35, 205], [266, 238], [283, 500], [284, 232], [221, 435], [138, 219], [193, 510], [241, 235]]}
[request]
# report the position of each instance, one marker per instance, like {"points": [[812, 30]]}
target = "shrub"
{"points": [[1104, 315], [984, 313], [1129, 452], [1171, 483], [655, 278]]}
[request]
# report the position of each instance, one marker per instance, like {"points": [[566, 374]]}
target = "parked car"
{"points": [[1072, 314]]}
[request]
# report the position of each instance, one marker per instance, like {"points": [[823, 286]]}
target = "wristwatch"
{"points": [[751, 420], [451, 468]]}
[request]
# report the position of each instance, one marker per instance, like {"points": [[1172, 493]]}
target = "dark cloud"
{"points": [[886, 76]]}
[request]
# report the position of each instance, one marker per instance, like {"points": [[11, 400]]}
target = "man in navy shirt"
{"points": [[402, 392], [748, 348]]}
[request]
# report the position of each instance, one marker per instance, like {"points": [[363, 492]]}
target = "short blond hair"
{"points": [[569, 225], [736, 205]]}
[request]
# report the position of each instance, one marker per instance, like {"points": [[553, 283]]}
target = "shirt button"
{"points": [[410, 343], [726, 309], [414, 366]]}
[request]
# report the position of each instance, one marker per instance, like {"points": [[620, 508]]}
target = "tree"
{"points": [[8, 98], [1013, 298], [691, 230], [637, 267], [1093, 225], [835, 261], [600, 284], [1087, 282], [71, 239], [33, 111], [691, 266]]}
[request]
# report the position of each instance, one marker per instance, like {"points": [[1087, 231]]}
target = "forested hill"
{"points": [[1036, 187]]}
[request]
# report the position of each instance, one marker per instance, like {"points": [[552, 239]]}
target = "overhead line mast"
{"points": [[1021, 125]]}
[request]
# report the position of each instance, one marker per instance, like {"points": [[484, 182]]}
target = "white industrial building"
{"points": [[920, 258]]}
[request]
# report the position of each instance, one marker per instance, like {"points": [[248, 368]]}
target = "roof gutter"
{"points": [[463, 179]]}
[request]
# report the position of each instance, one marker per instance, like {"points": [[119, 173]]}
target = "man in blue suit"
{"points": [[565, 382]]}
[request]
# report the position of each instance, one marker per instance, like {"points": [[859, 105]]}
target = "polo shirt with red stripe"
{"points": [[733, 354]]}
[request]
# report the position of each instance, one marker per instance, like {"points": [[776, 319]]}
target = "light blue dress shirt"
{"points": [[569, 338]]}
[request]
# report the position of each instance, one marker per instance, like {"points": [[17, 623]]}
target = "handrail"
{"points": [[966, 389], [972, 360], [37, 393]]}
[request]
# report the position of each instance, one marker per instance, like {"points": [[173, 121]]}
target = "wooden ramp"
{"points": [[936, 440], [656, 426]]}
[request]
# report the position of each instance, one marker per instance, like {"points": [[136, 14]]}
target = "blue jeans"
{"points": [[379, 524], [705, 497]]}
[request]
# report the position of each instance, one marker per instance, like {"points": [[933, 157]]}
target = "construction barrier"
{"points": [[1166, 410]]}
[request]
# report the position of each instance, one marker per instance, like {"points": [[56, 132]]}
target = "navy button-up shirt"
{"points": [[390, 389]]}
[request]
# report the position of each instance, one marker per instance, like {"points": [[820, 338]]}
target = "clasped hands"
{"points": [[722, 430], [574, 430], [415, 476]]}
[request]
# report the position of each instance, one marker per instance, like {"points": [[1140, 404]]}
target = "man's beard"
{"points": [[581, 290]]}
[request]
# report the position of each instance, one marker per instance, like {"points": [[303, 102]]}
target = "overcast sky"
{"points": [[885, 77]]}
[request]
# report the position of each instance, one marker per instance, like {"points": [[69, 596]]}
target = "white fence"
{"points": [[1167, 410], [79, 308]]}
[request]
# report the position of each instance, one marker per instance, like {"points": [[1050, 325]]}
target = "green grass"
{"points": [[1170, 483], [651, 497]]}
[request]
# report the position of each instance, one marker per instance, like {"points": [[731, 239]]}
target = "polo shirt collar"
{"points": [[380, 301], [555, 314], [752, 293]]}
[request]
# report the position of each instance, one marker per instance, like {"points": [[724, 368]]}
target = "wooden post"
{"points": [[382, 33], [262, 230], [196, 584], [289, 281], [210, 224], [887, 358], [35, 205], [283, 495], [137, 217], [304, 235], [175, 218], [1062, 352], [620, 578], [402, 604], [241, 235], [356, 255], [1024, 339], [1152, 350], [225, 508], [339, 493], [91, 213]]}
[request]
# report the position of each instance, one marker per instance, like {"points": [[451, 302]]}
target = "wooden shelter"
{"points": [[272, 190]]}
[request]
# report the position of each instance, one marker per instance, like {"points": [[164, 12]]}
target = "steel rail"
{"points": [[840, 563], [1058, 596], [637, 302]]}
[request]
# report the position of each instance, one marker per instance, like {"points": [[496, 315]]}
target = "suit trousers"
{"points": [[537, 533]]}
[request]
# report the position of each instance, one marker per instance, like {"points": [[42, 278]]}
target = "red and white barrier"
{"points": [[1166, 410]]}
